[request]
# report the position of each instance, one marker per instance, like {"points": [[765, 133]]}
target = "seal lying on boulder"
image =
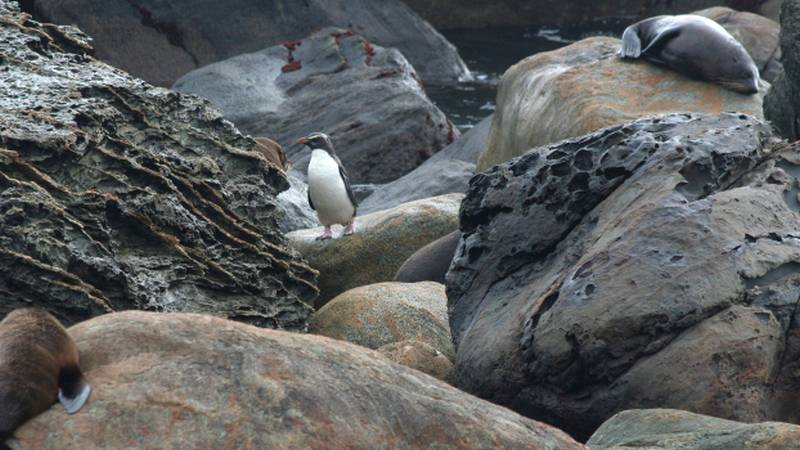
{"points": [[695, 46], [38, 365]]}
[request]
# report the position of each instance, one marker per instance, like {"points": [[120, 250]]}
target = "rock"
{"points": [[293, 203], [272, 152], [118, 195], [449, 14], [447, 171], [430, 263], [194, 381], [420, 356], [758, 34], [160, 41], [367, 98], [661, 249], [654, 429], [782, 104], [383, 241], [584, 87], [386, 313]]}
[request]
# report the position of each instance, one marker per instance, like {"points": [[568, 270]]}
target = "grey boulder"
{"points": [[649, 264], [782, 103], [367, 98]]}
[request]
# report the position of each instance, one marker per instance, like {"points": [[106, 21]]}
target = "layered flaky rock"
{"points": [[367, 98], [584, 87], [193, 381], [117, 195], [651, 264]]}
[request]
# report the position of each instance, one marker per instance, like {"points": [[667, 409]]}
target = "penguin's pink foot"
{"points": [[325, 234], [351, 228]]}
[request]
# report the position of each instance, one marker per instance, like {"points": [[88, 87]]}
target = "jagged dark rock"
{"points": [[160, 40], [367, 98], [782, 103], [650, 264], [115, 194]]}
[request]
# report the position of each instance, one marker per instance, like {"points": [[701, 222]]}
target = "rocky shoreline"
{"points": [[610, 260]]}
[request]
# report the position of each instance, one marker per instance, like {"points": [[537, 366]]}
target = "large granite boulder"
{"points": [[160, 40], [420, 356], [584, 87], [367, 98], [447, 171], [650, 264], [386, 313], [669, 429], [382, 242], [193, 381], [758, 34], [782, 104], [118, 195], [446, 14]]}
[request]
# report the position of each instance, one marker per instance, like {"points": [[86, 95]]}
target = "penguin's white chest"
{"points": [[327, 190]]}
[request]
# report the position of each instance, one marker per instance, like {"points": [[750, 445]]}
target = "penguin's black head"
{"points": [[319, 141]]}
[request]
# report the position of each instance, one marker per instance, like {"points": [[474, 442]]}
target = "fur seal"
{"points": [[695, 46], [431, 262], [329, 191], [38, 366]]}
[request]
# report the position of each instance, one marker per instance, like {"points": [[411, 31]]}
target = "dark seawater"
{"points": [[489, 52]]}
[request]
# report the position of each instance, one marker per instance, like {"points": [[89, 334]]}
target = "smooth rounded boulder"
{"points": [[584, 87], [382, 242], [386, 313], [195, 381]]}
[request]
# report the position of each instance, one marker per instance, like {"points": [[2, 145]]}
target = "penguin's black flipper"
{"points": [[310, 203], [346, 179], [73, 390]]}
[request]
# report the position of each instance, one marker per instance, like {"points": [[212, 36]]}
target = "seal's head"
{"points": [[741, 76]]}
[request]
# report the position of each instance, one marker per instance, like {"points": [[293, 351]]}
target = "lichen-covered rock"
{"points": [[584, 87], [651, 264], [669, 429], [758, 34], [386, 313], [161, 40], [420, 356], [782, 103], [382, 242], [118, 195], [193, 381], [367, 98], [447, 171]]}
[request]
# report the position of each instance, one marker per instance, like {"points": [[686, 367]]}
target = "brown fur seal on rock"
{"points": [[38, 366], [695, 46], [430, 263]]}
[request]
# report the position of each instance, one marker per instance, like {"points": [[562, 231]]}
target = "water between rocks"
{"points": [[489, 52]]}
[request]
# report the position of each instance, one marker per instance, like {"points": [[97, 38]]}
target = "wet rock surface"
{"points": [[662, 249], [782, 103], [161, 40], [193, 381], [655, 429], [386, 313], [367, 98], [447, 171], [117, 195], [584, 87], [382, 242]]}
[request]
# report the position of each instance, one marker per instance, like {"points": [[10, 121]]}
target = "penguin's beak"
{"points": [[302, 141]]}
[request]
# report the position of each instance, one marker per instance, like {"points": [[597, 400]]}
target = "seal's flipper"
{"points": [[631, 44], [662, 39], [79, 394]]}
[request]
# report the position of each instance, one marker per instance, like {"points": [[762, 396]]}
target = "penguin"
{"points": [[38, 366], [329, 192]]}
